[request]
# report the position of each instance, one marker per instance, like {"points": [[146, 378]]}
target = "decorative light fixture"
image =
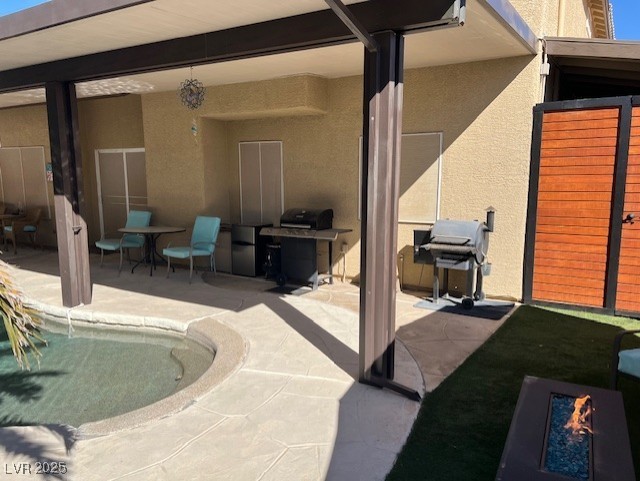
{"points": [[191, 93]]}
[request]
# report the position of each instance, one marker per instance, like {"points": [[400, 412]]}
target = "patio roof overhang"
{"points": [[603, 66], [109, 54]]}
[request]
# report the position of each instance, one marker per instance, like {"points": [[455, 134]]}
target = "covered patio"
{"points": [[239, 40], [281, 400], [290, 403]]}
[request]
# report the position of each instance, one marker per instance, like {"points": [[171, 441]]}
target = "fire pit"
{"points": [[563, 431]]}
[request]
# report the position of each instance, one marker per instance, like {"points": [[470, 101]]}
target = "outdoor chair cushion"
{"points": [[183, 252], [114, 244], [27, 228], [629, 362]]}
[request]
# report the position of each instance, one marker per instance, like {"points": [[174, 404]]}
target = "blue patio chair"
{"points": [[203, 244], [27, 225], [135, 218], [624, 361]]}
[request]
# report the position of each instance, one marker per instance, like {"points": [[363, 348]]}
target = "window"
{"points": [[23, 179], [420, 178]]}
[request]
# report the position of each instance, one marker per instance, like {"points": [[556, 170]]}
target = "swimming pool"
{"points": [[96, 374]]}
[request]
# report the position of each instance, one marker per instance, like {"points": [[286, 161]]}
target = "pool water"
{"points": [[95, 375]]}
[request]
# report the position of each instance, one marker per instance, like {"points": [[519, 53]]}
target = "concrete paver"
{"points": [[291, 409]]}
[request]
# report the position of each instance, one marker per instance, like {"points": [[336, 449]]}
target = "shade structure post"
{"points": [[382, 125], [66, 160]]}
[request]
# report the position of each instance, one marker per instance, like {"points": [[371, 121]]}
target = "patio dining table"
{"points": [[151, 234]]}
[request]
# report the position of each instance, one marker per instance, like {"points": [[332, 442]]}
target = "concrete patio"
{"points": [[283, 405]]}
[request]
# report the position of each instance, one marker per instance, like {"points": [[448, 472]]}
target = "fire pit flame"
{"points": [[579, 420]]}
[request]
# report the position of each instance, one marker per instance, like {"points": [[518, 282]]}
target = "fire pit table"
{"points": [[563, 431]]}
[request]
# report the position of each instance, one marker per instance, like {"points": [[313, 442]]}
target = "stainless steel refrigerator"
{"points": [[248, 249]]}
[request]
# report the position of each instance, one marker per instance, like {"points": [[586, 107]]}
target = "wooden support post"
{"points": [[71, 227], [383, 77]]}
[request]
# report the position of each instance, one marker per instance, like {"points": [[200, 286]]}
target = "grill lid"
{"points": [[317, 219], [461, 238]]}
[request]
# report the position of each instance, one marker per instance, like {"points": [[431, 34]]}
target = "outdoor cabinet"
{"points": [[261, 187], [223, 252]]}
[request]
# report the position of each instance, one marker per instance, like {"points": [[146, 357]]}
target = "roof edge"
{"points": [[57, 12], [593, 47], [506, 14], [600, 18]]}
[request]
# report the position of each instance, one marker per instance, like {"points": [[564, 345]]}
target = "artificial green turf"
{"points": [[462, 426]]}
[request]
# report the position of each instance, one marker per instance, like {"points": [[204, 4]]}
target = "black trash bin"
{"points": [[272, 263]]}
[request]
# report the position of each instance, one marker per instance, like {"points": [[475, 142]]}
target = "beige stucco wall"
{"points": [[106, 123], [483, 109], [576, 19], [320, 159], [216, 168], [175, 162], [33, 131], [542, 16], [484, 112], [486, 121], [187, 172], [296, 95]]}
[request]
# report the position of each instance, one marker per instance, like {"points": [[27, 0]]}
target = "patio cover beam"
{"points": [[66, 160], [382, 133], [288, 34], [350, 20]]}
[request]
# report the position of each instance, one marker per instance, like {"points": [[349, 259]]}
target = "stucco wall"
{"points": [[543, 17], [576, 19], [32, 130], [187, 172], [540, 15], [216, 168], [486, 120], [296, 95], [483, 110], [106, 123], [175, 162], [320, 159]]}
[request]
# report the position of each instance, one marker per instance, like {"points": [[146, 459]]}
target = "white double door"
{"points": [[261, 182], [122, 186]]}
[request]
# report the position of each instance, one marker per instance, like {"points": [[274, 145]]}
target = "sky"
{"points": [[626, 19], [626, 15], [10, 6]]}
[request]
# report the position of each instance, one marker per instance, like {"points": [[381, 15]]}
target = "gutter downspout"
{"points": [[545, 69]]}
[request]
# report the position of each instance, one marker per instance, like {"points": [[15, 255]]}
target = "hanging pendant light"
{"points": [[191, 92]]}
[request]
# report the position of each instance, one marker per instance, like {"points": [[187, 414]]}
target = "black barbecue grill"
{"points": [[457, 245], [299, 233], [307, 219]]}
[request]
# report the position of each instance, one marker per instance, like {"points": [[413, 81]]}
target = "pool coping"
{"points": [[229, 347]]}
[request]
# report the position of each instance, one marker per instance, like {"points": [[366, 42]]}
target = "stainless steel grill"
{"points": [[459, 245]]}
